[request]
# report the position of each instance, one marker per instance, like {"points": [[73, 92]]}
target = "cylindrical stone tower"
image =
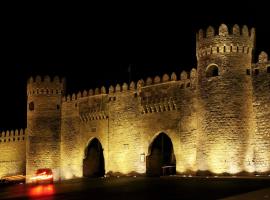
{"points": [[43, 125], [225, 94]]}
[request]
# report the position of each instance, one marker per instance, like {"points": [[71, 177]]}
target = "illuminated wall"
{"points": [[43, 124], [82, 120], [126, 119], [217, 123], [217, 116], [12, 153], [226, 112], [261, 102]]}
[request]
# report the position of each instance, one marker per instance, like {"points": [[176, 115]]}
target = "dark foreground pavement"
{"points": [[137, 188]]}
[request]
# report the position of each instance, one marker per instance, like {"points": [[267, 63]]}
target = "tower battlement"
{"points": [[12, 135], [224, 40], [45, 85], [263, 57], [262, 67]]}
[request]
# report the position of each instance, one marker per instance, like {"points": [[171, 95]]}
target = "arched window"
{"points": [[31, 106], [212, 70], [268, 69]]}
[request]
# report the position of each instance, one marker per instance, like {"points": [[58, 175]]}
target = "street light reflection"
{"points": [[41, 190]]}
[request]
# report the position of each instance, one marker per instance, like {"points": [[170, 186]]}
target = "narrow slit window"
{"points": [[256, 72], [31, 106]]}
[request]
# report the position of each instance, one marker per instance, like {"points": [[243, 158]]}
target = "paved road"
{"points": [[136, 188], [255, 195]]}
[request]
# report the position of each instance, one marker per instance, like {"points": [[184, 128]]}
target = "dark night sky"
{"points": [[94, 48]]}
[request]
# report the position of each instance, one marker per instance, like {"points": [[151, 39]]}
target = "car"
{"points": [[44, 175]]}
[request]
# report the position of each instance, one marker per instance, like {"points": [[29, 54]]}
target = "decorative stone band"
{"points": [[45, 91], [45, 86], [224, 49], [159, 107], [93, 116]]}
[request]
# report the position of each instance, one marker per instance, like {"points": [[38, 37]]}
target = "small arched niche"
{"points": [[212, 70]]}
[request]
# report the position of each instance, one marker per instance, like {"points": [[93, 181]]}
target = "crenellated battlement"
{"points": [[263, 58], [186, 78], [12, 136], [158, 96], [45, 85], [225, 40], [262, 67], [84, 94]]}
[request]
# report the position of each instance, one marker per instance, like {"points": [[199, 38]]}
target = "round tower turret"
{"points": [[224, 59], [231, 51], [43, 124]]}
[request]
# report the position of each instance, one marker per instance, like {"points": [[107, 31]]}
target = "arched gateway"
{"points": [[93, 163], [161, 159]]}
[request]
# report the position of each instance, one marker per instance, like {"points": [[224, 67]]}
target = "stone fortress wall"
{"points": [[261, 106], [216, 116], [43, 124], [12, 152], [126, 119]]}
